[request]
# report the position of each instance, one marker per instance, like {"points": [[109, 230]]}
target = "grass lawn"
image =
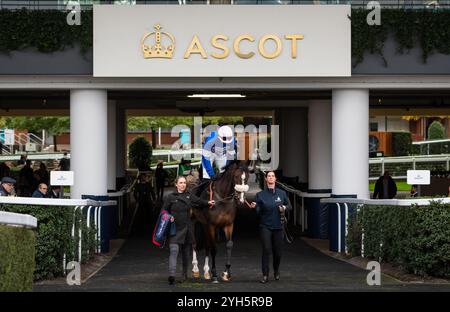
{"points": [[401, 186]]}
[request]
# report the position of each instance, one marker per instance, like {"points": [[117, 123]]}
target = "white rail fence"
{"points": [[340, 216], [91, 210], [397, 166]]}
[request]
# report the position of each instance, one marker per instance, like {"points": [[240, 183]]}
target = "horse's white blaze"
{"points": [[243, 183], [194, 262]]}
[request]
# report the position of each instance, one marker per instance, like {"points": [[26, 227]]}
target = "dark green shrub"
{"points": [[54, 237], [401, 143], [417, 238], [140, 154], [17, 260], [415, 150], [436, 131]]}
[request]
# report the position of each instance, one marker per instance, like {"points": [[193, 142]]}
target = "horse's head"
{"points": [[240, 175]]}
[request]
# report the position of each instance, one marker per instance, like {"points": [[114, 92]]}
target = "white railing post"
{"points": [[362, 242], [346, 228], [303, 214], [99, 228], [97, 233], [339, 226], [295, 209], [80, 235]]}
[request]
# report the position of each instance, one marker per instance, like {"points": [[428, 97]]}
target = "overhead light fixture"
{"points": [[208, 96]]}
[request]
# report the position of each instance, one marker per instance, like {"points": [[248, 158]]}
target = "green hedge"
{"points": [[17, 260], [427, 29], [47, 31], [54, 237], [417, 238], [401, 143]]}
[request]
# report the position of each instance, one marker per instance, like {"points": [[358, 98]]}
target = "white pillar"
{"points": [[121, 136], [88, 140], [350, 142], [112, 139], [319, 145]]}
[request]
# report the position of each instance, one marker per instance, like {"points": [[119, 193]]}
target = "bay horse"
{"points": [[228, 193]]}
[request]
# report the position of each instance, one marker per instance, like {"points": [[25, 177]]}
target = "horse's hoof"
{"points": [[195, 274], [226, 277], [215, 280], [207, 276]]}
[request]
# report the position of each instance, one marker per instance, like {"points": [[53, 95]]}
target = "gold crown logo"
{"points": [[158, 50]]}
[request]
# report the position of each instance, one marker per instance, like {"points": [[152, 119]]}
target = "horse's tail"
{"points": [[200, 236]]}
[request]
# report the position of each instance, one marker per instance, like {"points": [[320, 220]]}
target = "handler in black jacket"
{"points": [[178, 204], [269, 205]]}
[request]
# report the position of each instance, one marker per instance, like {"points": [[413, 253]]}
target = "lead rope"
{"points": [[211, 195]]}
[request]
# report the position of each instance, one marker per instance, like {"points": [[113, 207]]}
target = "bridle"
{"points": [[236, 195]]}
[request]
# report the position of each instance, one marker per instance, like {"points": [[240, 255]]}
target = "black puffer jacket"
{"points": [[179, 205]]}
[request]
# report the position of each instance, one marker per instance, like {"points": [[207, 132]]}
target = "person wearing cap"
{"points": [[7, 186], [219, 149]]}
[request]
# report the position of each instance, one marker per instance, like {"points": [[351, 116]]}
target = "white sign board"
{"points": [[9, 136], [30, 147], [62, 178], [222, 41], [419, 177]]}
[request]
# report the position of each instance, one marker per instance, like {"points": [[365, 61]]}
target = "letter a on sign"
{"points": [[374, 17], [74, 276], [374, 277]]}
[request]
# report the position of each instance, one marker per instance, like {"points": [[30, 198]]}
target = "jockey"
{"points": [[219, 149]]}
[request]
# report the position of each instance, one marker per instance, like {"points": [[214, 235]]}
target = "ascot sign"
{"points": [[222, 41], [158, 50]]}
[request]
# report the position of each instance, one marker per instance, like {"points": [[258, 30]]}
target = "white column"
{"points": [[319, 145], [350, 142], [121, 135], [88, 140], [112, 139]]}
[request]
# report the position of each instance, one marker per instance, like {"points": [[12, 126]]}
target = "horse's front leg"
{"points": [[195, 270], [226, 275], [212, 239], [206, 273]]}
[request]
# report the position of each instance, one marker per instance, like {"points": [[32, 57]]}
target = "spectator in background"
{"points": [[41, 191], [144, 196], [44, 176], [5, 170], [36, 180], [26, 180], [414, 192], [22, 161], [161, 176], [7, 186], [385, 187], [64, 163], [185, 168], [54, 192]]}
